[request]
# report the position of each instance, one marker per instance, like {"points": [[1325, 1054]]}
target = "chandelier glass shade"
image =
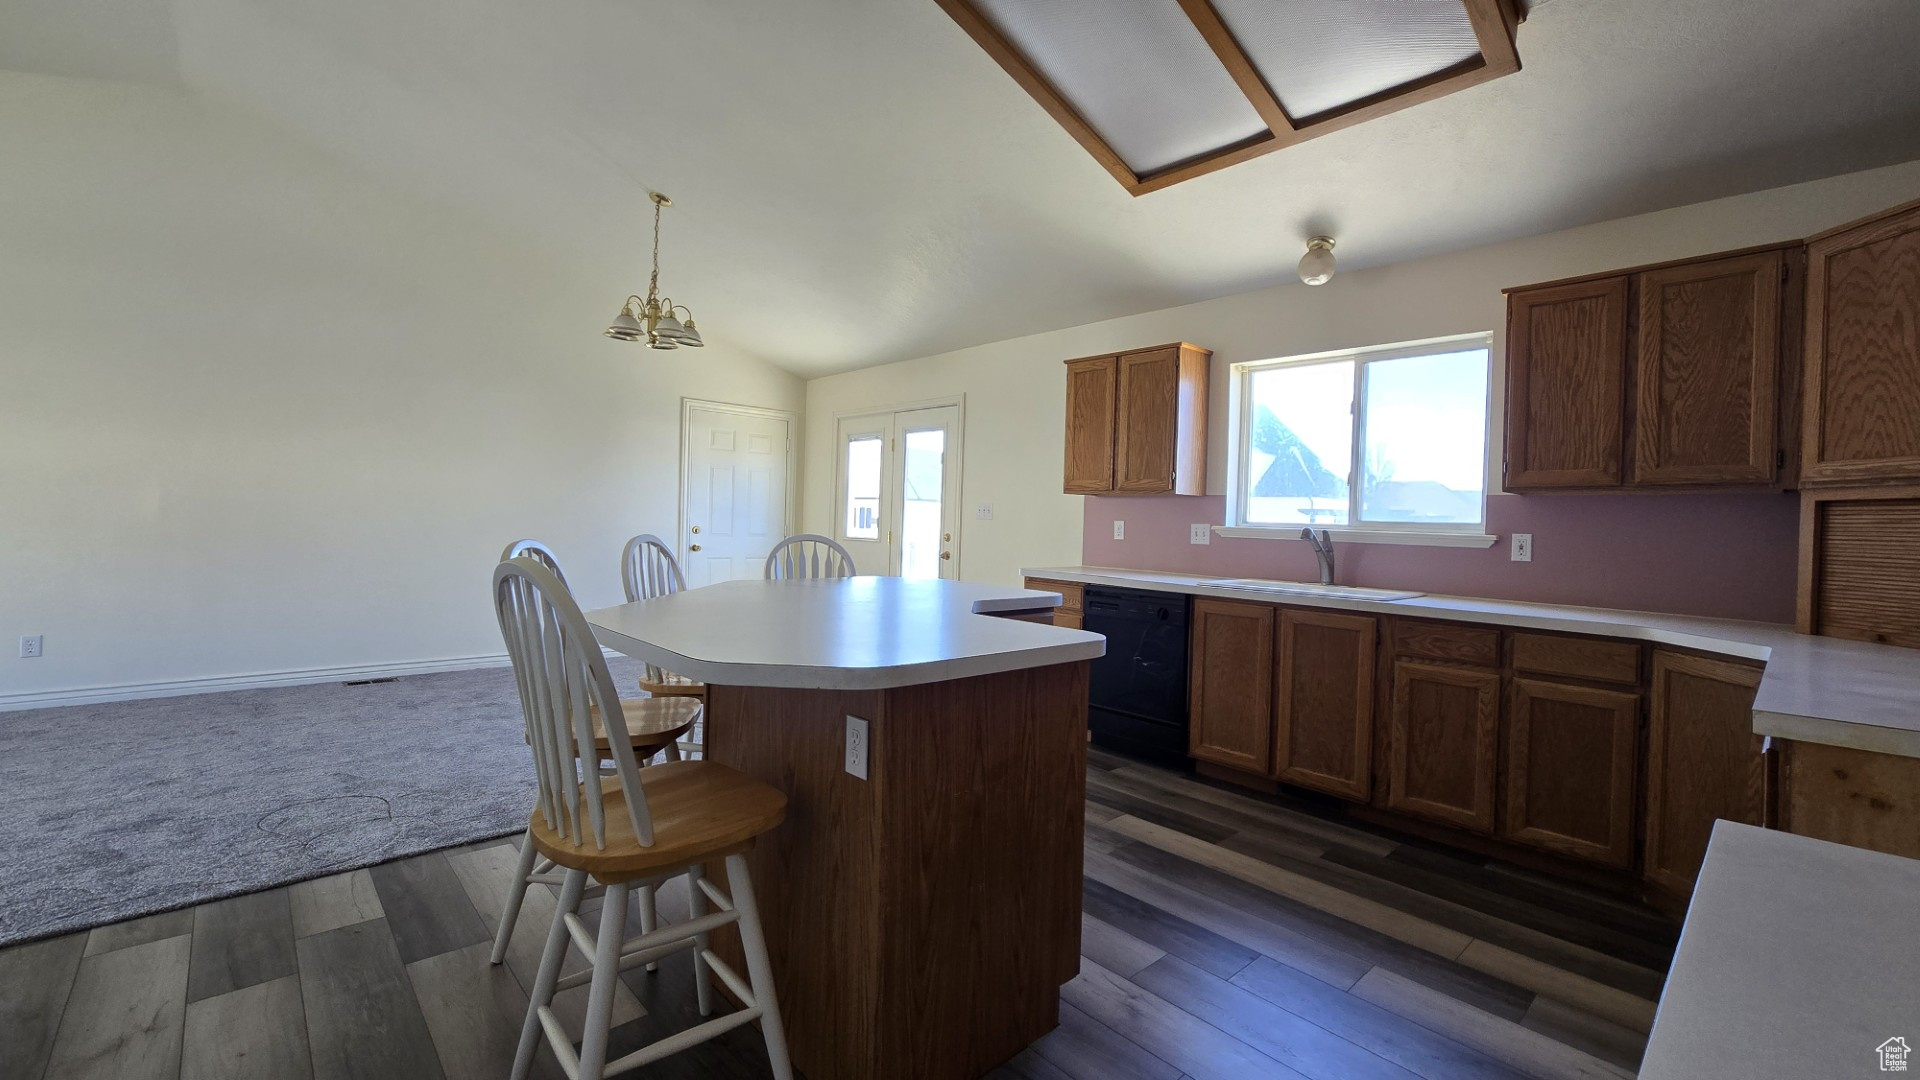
{"points": [[654, 319]]}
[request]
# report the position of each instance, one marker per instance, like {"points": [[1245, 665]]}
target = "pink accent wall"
{"points": [[1724, 556]]}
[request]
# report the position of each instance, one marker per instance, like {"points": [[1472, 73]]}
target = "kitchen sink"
{"points": [[1311, 588]]}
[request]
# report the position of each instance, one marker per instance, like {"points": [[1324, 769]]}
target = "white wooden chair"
{"points": [[808, 555], [654, 725], [648, 569], [635, 827]]}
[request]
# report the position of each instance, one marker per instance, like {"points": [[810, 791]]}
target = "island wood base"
{"points": [[920, 921]]}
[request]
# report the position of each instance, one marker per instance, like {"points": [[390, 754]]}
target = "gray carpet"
{"points": [[117, 810]]}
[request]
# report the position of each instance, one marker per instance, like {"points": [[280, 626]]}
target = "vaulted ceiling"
{"points": [[855, 181]]}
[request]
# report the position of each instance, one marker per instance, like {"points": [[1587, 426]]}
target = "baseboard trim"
{"points": [[94, 695]]}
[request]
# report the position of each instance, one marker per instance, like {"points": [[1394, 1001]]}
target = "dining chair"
{"points": [[654, 726], [648, 569], [808, 555], [632, 828]]}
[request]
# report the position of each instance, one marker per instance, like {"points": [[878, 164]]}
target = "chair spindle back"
{"points": [[808, 555]]}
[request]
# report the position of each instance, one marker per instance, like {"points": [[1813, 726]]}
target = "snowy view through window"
{"points": [[1419, 430]]}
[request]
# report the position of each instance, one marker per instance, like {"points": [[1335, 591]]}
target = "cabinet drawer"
{"points": [[1477, 645], [1071, 594], [1580, 658]]}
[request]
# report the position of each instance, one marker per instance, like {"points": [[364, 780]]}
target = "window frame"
{"points": [[1433, 534]]}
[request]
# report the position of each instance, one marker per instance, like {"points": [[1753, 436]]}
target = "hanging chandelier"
{"points": [[654, 320]]}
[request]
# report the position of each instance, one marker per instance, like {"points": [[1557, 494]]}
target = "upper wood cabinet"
{"points": [[1566, 385], [1707, 372], [1860, 563], [1661, 377], [1703, 761], [1863, 352], [1091, 386], [1137, 422], [1323, 708], [1230, 689]]}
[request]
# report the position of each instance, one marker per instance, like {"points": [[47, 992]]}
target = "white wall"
{"points": [[1015, 389], [261, 412]]}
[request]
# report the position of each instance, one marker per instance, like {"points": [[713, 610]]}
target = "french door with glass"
{"points": [[897, 491]]}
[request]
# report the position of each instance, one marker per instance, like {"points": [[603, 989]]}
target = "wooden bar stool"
{"points": [[637, 827], [654, 725], [648, 569], [808, 555]]}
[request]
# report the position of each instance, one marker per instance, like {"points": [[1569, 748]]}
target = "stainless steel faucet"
{"points": [[1323, 549]]}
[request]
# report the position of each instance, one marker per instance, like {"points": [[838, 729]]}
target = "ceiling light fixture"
{"points": [[653, 320], [1316, 266]]}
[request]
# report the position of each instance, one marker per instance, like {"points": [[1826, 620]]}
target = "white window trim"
{"points": [[1434, 535]]}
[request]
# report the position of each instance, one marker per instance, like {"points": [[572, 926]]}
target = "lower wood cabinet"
{"points": [[1323, 707], [1569, 773], [1071, 611], [1444, 737], [1230, 691], [1853, 797], [1703, 762]]}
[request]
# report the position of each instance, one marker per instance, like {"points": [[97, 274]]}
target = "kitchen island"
{"points": [[921, 917]]}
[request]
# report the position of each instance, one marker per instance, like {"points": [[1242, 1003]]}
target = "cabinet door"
{"points": [[1232, 684], [1148, 428], [1863, 352], [1570, 768], [1703, 761], [1324, 709], [1566, 385], [1445, 731], [1090, 405], [1707, 371]]}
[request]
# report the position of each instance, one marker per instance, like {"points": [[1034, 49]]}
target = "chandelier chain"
{"points": [[653, 283]]}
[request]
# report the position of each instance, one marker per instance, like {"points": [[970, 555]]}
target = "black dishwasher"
{"points": [[1139, 689]]}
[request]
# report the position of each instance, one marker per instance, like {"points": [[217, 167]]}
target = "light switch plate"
{"points": [[857, 747], [1199, 534], [983, 512], [1119, 530], [1522, 547], [30, 646]]}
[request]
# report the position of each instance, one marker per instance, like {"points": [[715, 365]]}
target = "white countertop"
{"points": [[1799, 958], [863, 633], [1816, 689]]}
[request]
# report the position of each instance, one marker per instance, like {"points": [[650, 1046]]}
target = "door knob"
{"points": [[695, 547], [946, 554], [696, 530], [947, 537]]}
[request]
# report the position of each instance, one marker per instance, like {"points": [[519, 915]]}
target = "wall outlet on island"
{"points": [[857, 747], [1522, 547], [1119, 530], [1199, 534], [30, 647]]}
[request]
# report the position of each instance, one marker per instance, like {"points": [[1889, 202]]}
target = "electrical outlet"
{"points": [[1119, 530], [857, 747], [1522, 547], [983, 512], [1199, 534], [30, 647]]}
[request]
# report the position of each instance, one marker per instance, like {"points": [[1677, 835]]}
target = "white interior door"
{"points": [[927, 493], [733, 492], [897, 491]]}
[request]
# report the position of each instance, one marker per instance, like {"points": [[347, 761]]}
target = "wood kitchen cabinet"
{"points": [[1071, 611], [1444, 724], [1323, 705], [1707, 372], [1230, 685], [1566, 385], [1659, 377], [1703, 762], [1136, 422], [1863, 352], [1571, 756]]}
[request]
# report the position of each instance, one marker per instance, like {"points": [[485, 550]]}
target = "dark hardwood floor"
{"points": [[1225, 935]]}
